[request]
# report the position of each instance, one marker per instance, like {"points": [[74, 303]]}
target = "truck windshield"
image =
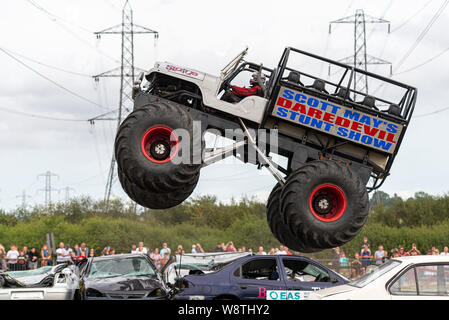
{"points": [[376, 273]]}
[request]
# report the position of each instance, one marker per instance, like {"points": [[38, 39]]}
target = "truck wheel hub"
{"points": [[159, 144], [327, 202]]}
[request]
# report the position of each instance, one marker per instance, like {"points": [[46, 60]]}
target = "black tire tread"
{"points": [[178, 177], [312, 239], [155, 200]]}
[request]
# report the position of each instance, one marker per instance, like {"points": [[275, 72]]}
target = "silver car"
{"points": [[47, 283]]}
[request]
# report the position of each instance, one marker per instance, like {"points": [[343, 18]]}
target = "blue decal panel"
{"points": [[337, 120]]}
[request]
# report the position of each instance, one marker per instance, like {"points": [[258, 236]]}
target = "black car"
{"points": [[251, 277], [122, 276]]}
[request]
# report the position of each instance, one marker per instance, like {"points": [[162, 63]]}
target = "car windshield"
{"points": [[375, 273], [28, 273], [134, 266]]}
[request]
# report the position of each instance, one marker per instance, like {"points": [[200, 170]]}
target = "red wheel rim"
{"points": [[160, 144], [327, 202]]}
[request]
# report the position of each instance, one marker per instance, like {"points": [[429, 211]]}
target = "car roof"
{"points": [[422, 259]]}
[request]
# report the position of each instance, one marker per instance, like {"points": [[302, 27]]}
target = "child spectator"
{"points": [[156, 257], [164, 260], [33, 258], [45, 256], [365, 254], [344, 262], [21, 260], [356, 265]]}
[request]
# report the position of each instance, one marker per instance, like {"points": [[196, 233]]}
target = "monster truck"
{"points": [[339, 142]]}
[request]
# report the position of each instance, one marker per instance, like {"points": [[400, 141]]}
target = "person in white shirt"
{"points": [[445, 252], [12, 256], [134, 249], [281, 250], [142, 249], [61, 254], [261, 251]]}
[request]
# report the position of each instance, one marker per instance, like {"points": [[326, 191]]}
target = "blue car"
{"points": [[250, 277]]}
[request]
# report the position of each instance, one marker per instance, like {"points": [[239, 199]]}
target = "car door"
{"points": [[254, 276], [305, 275], [421, 282]]}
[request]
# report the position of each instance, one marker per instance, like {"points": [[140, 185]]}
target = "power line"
{"points": [[431, 113], [50, 80], [412, 17], [54, 18], [32, 115], [418, 40], [48, 65], [423, 33], [425, 62]]}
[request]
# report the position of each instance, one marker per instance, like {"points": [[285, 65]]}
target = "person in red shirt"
{"points": [[238, 93]]}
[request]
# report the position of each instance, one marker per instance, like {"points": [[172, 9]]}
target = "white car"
{"points": [[403, 278], [47, 283]]}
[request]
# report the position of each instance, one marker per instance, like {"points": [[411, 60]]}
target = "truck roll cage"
{"points": [[340, 92]]}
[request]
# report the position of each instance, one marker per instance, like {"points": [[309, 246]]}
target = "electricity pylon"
{"points": [[360, 59], [48, 188], [126, 71], [24, 198]]}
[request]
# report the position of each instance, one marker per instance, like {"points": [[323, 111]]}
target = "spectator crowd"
{"points": [[28, 259], [363, 259]]}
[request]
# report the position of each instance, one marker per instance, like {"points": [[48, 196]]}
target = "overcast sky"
{"points": [[204, 35]]}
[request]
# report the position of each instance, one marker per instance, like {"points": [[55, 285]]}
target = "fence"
{"points": [[348, 269], [5, 266]]}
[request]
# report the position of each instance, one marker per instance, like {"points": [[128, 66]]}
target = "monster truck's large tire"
{"points": [[279, 229], [325, 204], [146, 145], [155, 200]]}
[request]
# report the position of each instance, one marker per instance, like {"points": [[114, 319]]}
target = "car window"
{"points": [[303, 271], [258, 269], [376, 273], [406, 284], [135, 266], [432, 280]]}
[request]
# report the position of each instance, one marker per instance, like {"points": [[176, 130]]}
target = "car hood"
{"points": [[124, 283]]}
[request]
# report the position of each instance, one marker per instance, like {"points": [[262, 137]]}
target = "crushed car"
{"points": [[121, 276], [251, 276], [197, 263], [47, 283]]}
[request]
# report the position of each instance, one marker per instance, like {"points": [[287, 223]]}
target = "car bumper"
{"points": [[37, 294]]}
